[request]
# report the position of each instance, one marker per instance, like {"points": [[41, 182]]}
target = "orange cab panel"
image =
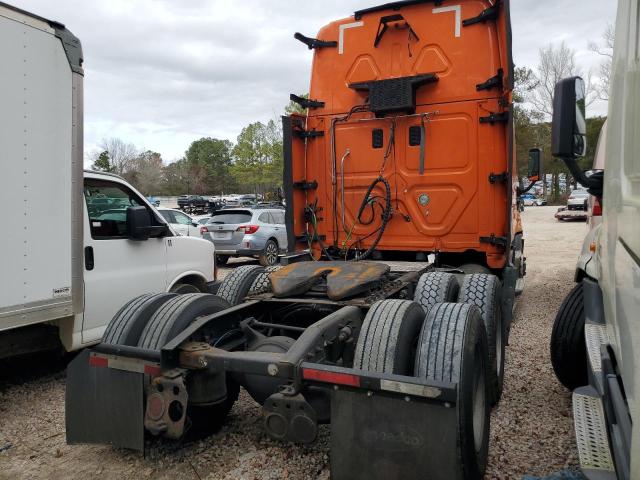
{"points": [[405, 146]]}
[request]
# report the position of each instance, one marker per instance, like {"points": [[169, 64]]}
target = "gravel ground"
{"points": [[531, 429]]}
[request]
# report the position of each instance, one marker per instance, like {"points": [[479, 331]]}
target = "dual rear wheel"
{"points": [[150, 321], [449, 345]]}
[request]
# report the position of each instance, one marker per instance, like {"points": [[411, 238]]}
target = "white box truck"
{"points": [[75, 245]]}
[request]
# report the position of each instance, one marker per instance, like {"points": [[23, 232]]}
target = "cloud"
{"points": [[162, 73]]}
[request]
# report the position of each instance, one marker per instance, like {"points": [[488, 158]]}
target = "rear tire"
{"points": [[237, 284], [167, 322], [453, 348], [568, 348], [262, 284], [126, 326], [388, 335], [175, 315], [484, 291], [436, 287], [182, 288], [269, 255]]}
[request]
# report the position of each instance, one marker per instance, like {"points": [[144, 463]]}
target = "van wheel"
{"points": [[237, 284], [436, 287], [262, 284], [388, 336], [568, 349], [170, 320], [182, 288], [269, 255], [127, 325], [453, 348]]}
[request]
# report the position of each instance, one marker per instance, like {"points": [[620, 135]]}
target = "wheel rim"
{"points": [[271, 253], [478, 399]]}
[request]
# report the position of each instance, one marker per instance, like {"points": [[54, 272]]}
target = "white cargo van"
{"points": [[75, 245], [595, 344]]}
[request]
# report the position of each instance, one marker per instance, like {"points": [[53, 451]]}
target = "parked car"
{"points": [[193, 203], [247, 232], [238, 203], [578, 200], [201, 219], [261, 205], [529, 199], [181, 222], [153, 201]]}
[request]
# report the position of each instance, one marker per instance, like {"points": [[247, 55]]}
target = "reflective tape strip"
{"points": [[124, 363], [410, 389]]}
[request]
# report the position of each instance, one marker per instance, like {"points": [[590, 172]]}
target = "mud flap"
{"points": [[383, 436], [104, 405]]}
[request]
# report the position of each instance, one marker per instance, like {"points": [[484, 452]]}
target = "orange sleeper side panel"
{"points": [[449, 204]]}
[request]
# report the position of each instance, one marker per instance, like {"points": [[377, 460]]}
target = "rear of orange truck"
{"points": [[406, 147], [404, 152]]}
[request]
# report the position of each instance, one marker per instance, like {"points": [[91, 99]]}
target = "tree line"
{"points": [[533, 107], [210, 166]]}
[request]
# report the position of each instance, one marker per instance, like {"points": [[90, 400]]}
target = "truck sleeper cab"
{"points": [[406, 149]]}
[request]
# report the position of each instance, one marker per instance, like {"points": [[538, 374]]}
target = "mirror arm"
{"points": [[522, 191], [594, 184]]}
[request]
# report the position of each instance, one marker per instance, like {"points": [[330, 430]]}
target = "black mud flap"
{"points": [[384, 437], [104, 405]]}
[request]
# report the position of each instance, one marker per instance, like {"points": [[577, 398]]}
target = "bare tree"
{"points": [[555, 63], [146, 171], [605, 50], [121, 154]]}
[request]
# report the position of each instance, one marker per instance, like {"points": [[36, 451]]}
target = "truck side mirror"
{"points": [[569, 129], [138, 223], [535, 165], [139, 226]]}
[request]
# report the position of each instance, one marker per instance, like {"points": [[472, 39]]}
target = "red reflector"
{"points": [[331, 377], [96, 361], [153, 370], [597, 208]]}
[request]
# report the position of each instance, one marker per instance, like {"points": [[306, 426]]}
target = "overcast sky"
{"points": [[162, 73]]}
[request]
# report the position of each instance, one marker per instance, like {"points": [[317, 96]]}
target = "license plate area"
{"points": [[222, 235]]}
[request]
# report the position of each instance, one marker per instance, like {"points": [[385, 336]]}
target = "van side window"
{"points": [[182, 219], [107, 204]]}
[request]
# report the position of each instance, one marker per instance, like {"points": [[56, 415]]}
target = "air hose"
{"points": [[369, 201]]}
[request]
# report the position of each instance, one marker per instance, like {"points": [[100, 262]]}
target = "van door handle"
{"points": [[88, 258]]}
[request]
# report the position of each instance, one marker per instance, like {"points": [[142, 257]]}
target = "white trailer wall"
{"points": [[35, 172]]}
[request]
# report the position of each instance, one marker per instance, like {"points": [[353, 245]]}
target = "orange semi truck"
{"points": [[405, 152]]}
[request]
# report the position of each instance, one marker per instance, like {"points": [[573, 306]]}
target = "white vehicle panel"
{"points": [[35, 150], [620, 280]]}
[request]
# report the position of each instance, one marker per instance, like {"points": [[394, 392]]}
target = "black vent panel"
{"points": [[394, 94]]}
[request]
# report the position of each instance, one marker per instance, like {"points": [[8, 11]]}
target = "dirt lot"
{"points": [[531, 430]]}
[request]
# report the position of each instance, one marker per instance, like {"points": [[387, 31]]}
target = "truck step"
{"points": [[591, 434], [596, 336]]}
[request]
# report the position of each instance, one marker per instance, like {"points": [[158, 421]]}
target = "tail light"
{"points": [[203, 230], [597, 208], [248, 229]]}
